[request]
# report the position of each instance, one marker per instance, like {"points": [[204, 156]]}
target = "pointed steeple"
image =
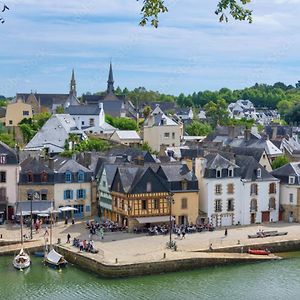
{"points": [[110, 81], [73, 85]]}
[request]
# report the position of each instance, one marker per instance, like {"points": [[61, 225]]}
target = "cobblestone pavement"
{"points": [[128, 247]]}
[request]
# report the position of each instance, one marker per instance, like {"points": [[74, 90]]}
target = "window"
{"points": [[92, 122], [291, 198], [144, 204], [2, 176], [253, 205], [68, 176], [167, 135], [87, 208], [253, 189], [264, 155], [230, 188], [184, 203], [155, 204], [258, 172], [3, 195], [291, 179], [104, 183], [230, 206], [218, 189], [2, 159], [44, 177], [184, 185], [68, 194], [218, 205], [149, 187], [29, 195], [80, 176], [10, 122], [82, 122], [30, 177], [219, 173], [173, 135], [44, 195], [230, 173], [272, 204], [81, 194], [272, 188], [25, 113]]}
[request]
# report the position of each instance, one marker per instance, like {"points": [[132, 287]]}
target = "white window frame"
{"points": [[291, 179]]}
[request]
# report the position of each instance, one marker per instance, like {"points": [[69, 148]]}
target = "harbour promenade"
{"points": [[119, 251]]}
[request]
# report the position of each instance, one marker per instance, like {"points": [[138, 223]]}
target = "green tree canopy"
{"points": [[217, 112], [198, 129], [279, 162]]}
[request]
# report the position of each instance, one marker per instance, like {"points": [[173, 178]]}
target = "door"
{"points": [[265, 216], [280, 217], [78, 214], [253, 217], [226, 221], [10, 212]]}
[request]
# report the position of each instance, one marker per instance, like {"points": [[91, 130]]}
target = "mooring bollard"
{"points": [[165, 255], [116, 260], [1, 236]]}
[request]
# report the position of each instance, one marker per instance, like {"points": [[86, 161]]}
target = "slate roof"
{"points": [[34, 165], [291, 169], [11, 155], [248, 166], [83, 110], [247, 151], [46, 99], [127, 135], [178, 172], [215, 160], [191, 153]]}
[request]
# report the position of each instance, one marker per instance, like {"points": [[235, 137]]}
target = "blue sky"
{"points": [[42, 40]]}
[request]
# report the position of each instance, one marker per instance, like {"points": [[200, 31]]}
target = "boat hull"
{"points": [[258, 252]]}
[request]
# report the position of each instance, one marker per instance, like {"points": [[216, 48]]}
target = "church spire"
{"points": [[73, 85], [110, 81]]}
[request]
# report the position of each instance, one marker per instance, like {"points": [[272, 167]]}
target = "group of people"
{"points": [[156, 230], [67, 220], [84, 245]]}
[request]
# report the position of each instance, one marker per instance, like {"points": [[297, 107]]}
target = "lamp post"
{"points": [[170, 201], [31, 217]]}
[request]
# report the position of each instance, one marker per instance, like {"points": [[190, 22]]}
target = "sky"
{"points": [[42, 40]]}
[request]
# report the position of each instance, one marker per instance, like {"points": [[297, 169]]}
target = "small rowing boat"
{"points": [[259, 252]]}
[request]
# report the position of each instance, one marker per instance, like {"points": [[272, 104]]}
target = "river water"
{"points": [[266, 280]]}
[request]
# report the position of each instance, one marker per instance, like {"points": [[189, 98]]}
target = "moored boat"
{"points": [[22, 260], [259, 252], [55, 260]]}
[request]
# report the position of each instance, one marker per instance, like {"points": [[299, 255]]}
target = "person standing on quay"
{"points": [[68, 238], [225, 232]]}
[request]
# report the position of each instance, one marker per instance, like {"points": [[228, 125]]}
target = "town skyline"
{"points": [[44, 41]]}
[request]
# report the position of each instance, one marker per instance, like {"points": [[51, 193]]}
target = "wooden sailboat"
{"points": [[52, 258], [22, 259]]}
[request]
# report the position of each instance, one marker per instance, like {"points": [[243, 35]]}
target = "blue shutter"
{"points": [[65, 195], [84, 194], [87, 208], [77, 194], [71, 194]]}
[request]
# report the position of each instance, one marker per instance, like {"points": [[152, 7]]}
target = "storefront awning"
{"points": [[158, 219]]}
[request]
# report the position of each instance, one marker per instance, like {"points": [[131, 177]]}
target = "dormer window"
{"points": [[30, 177], [2, 159], [80, 176], [219, 173], [291, 179], [230, 172], [68, 177], [258, 173], [184, 185], [149, 187], [44, 177]]}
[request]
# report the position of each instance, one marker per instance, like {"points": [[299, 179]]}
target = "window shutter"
{"points": [[71, 194], [84, 194], [77, 194], [65, 195]]}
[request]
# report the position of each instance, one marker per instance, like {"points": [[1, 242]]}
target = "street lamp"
{"points": [[170, 201]]}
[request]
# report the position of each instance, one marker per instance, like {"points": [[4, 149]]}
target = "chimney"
{"points": [[247, 134], [100, 105], [274, 132], [87, 159], [231, 132], [51, 163]]}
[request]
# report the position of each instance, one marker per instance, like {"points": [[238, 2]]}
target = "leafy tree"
{"points": [[243, 122], [217, 112], [27, 131], [279, 162], [236, 8], [7, 139], [59, 109], [293, 115], [121, 123], [146, 111], [199, 129], [146, 147]]}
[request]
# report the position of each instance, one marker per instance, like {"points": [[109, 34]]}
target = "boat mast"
{"points": [[50, 230], [21, 221]]}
